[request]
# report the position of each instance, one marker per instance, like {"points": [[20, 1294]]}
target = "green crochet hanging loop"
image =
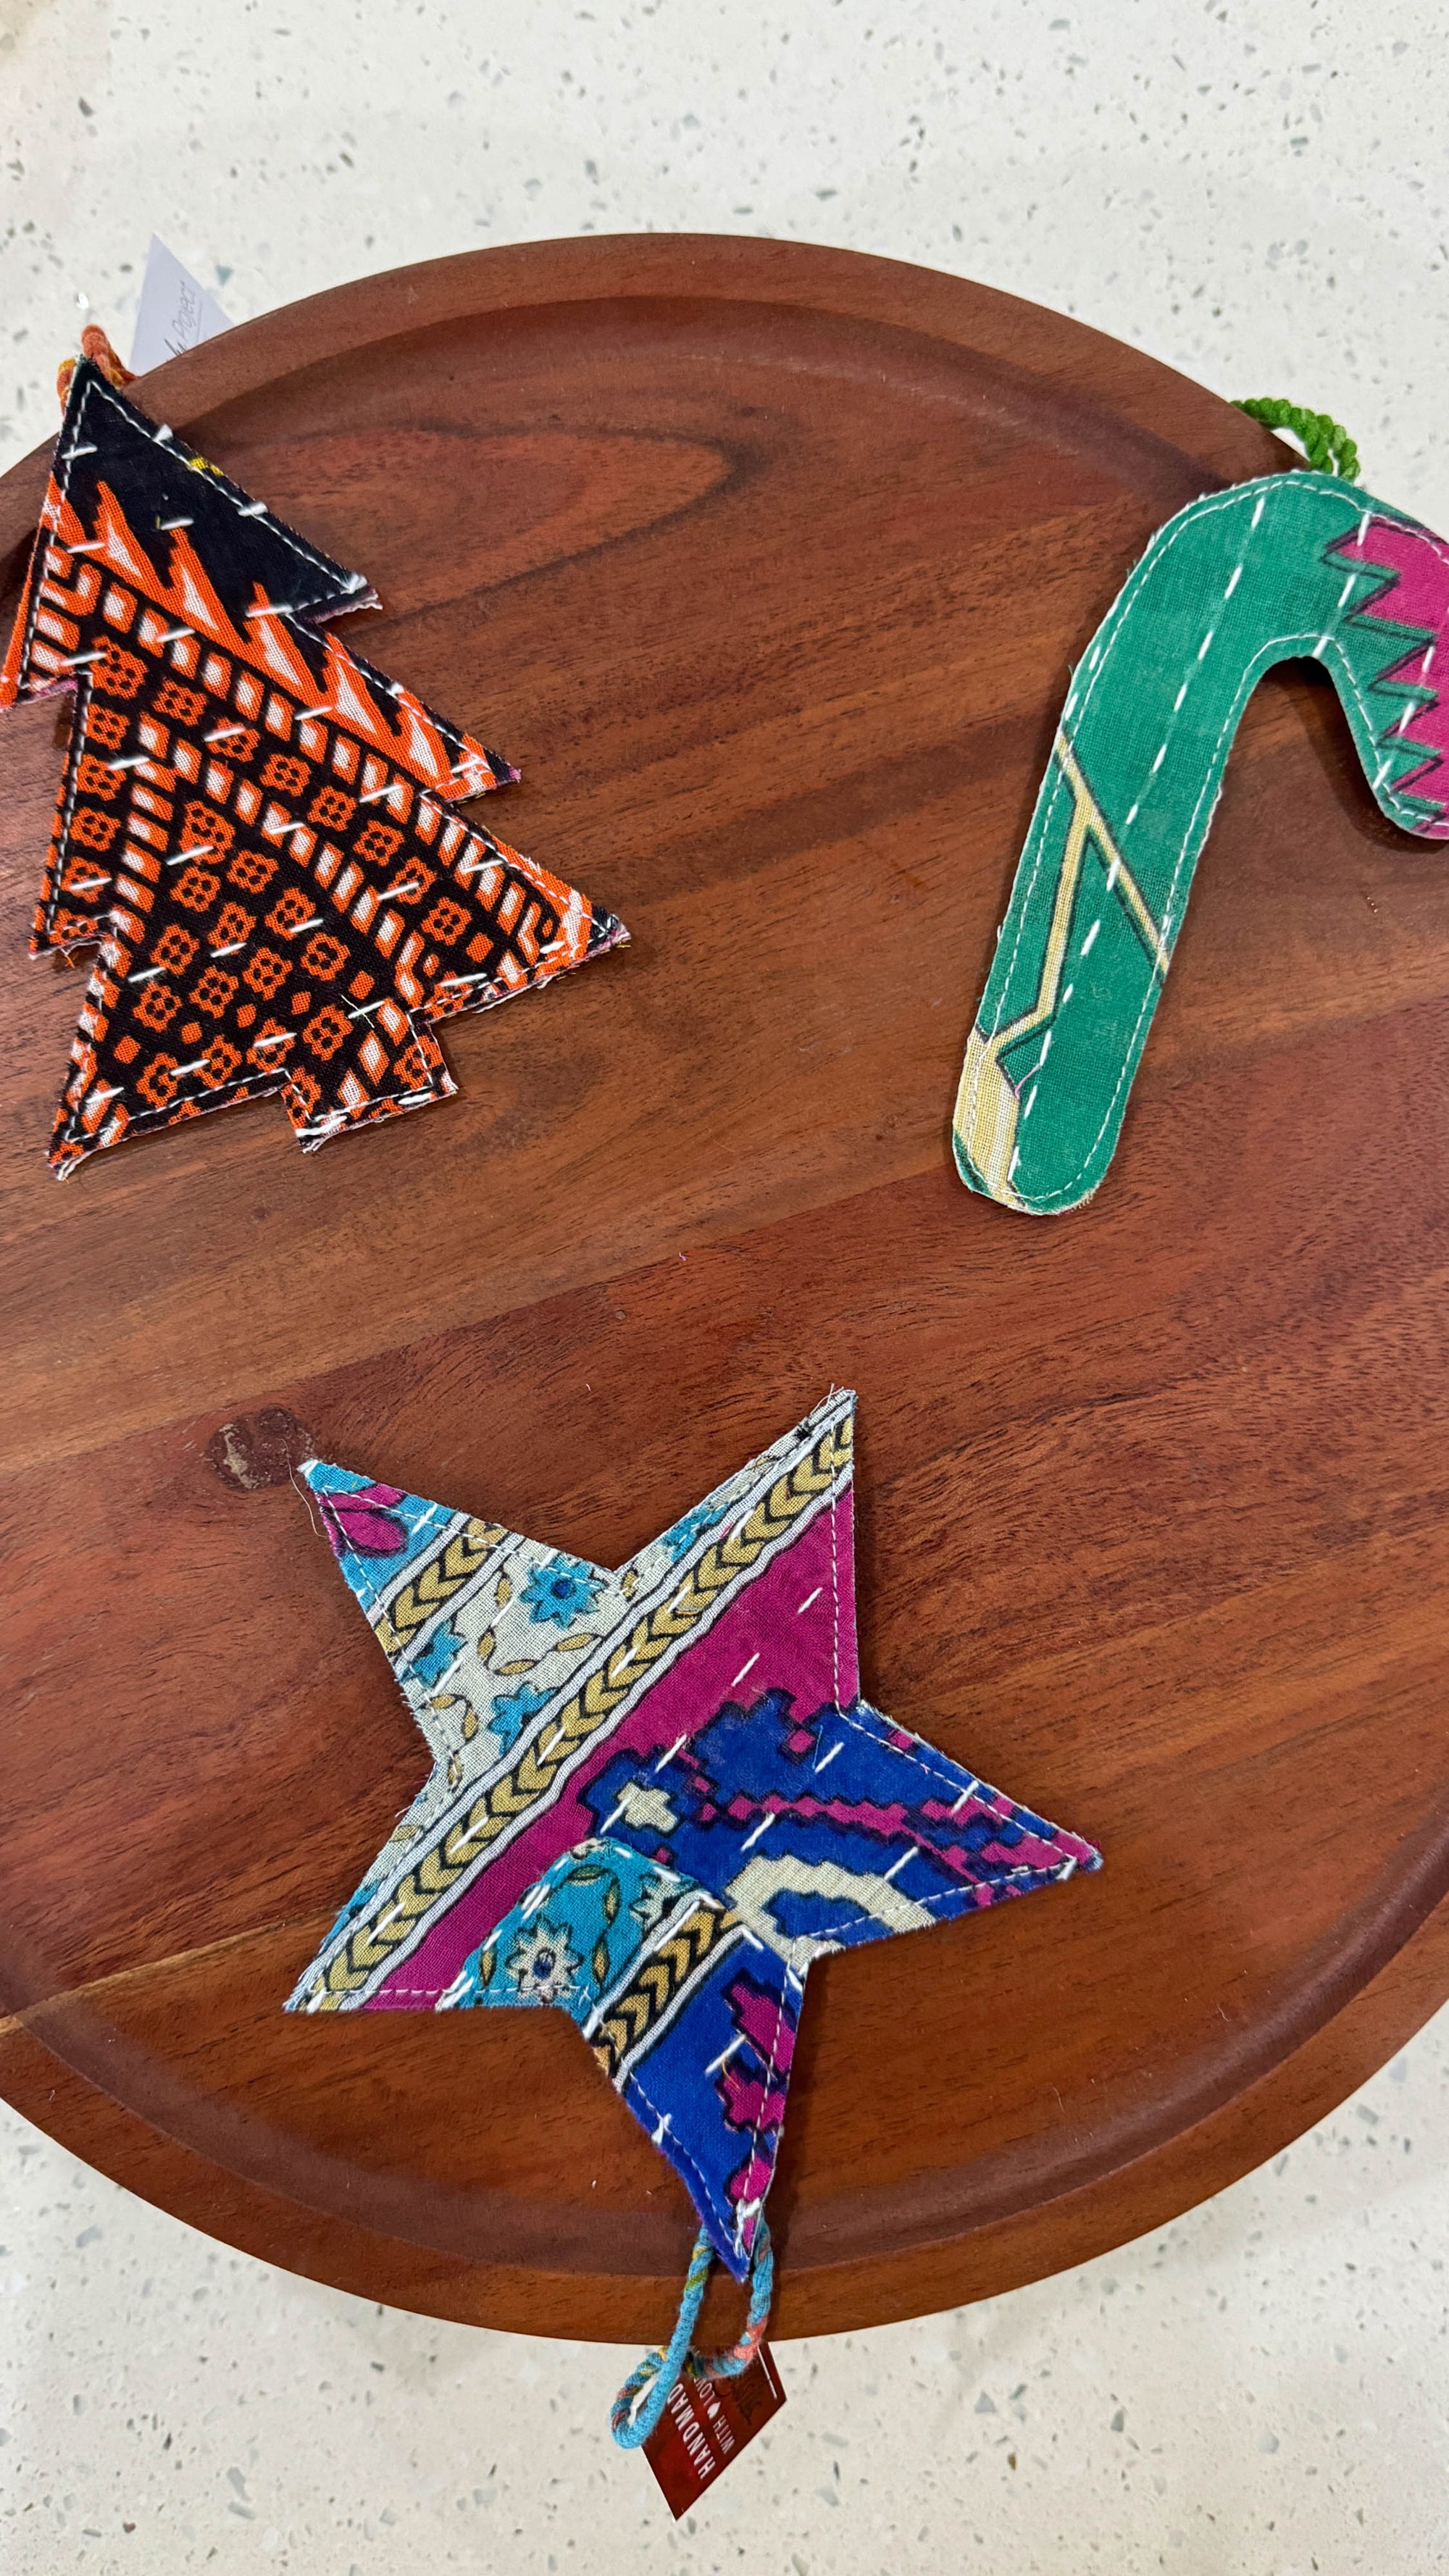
{"points": [[1325, 442]]}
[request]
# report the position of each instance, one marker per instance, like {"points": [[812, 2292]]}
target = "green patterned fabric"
{"points": [[1294, 564]]}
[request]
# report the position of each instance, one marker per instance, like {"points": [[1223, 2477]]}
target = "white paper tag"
{"points": [[175, 312]]}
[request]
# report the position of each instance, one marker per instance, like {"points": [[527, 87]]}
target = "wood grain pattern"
{"points": [[767, 564]]}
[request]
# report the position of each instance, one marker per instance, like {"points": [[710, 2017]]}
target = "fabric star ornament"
{"points": [[254, 830], [656, 1796], [1295, 565]]}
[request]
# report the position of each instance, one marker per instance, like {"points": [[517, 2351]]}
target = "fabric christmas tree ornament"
{"points": [[656, 1796], [1294, 564], [254, 828]]}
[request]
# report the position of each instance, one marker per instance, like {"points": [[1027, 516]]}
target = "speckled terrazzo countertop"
{"points": [[1256, 194]]}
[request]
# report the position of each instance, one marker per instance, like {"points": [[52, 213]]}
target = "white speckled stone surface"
{"points": [[1257, 192], [1262, 2390]]}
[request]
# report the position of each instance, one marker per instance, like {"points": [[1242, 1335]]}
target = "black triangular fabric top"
{"points": [[161, 483]]}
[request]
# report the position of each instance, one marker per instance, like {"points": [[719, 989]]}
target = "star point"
{"points": [[657, 1796]]}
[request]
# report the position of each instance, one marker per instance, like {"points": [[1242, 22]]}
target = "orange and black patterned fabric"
{"points": [[254, 831]]}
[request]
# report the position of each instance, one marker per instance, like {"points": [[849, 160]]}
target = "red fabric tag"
{"points": [[705, 2426]]}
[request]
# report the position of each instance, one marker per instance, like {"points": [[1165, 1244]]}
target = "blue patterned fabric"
{"points": [[831, 1831], [635, 1952], [656, 1796]]}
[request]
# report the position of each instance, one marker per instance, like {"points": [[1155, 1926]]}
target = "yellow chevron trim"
{"points": [[533, 1775], [446, 1574], [659, 1980]]}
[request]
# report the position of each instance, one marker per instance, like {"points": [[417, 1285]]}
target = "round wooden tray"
{"points": [[768, 565]]}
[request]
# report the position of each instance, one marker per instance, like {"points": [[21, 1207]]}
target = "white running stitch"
{"points": [[1261, 662], [962, 1887], [835, 1588], [632, 2081], [1288, 487]]}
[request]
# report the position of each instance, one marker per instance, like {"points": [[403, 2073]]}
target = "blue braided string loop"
{"points": [[647, 2390]]}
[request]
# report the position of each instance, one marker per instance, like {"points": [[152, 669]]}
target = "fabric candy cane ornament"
{"points": [[656, 1796], [1294, 564], [254, 831]]}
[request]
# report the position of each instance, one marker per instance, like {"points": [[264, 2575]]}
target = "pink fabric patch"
{"points": [[1419, 597], [792, 1628]]}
